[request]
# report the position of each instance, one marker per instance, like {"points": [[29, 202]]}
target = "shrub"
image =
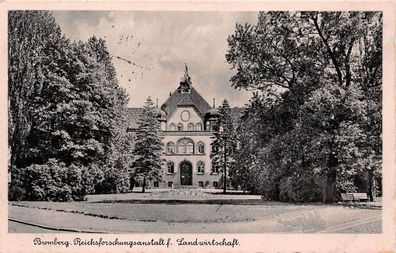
{"points": [[299, 188], [53, 181], [45, 182], [114, 181], [16, 193]]}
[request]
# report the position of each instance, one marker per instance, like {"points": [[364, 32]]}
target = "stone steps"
{"points": [[185, 187]]}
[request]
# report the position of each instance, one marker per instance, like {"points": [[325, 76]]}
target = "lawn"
{"points": [[168, 212], [188, 211]]}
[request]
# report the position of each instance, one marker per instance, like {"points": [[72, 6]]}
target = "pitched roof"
{"points": [[133, 115], [179, 98]]}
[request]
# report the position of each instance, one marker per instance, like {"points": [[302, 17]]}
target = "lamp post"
{"points": [[225, 165], [224, 144]]}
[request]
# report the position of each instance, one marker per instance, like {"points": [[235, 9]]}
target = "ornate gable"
{"points": [[185, 95]]}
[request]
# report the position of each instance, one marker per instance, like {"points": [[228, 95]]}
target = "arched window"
{"points": [[170, 148], [185, 146], [172, 127], [200, 167], [190, 127], [215, 169], [201, 148], [180, 127], [198, 127], [170, 167]]}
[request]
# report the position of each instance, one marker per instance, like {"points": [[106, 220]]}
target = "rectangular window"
{"points": [[200, 167], [156, 184], [200, 183], [215, 184], [170, 184], [170, 167]]}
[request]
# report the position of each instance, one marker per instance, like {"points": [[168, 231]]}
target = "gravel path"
{"points": [[160, 218]]}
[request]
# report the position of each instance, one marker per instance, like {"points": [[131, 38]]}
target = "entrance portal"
{"points": [[185, 173]]}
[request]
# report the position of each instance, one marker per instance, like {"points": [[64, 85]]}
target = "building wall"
{"points": [[176, 118], [207, 178], [198, 136]]}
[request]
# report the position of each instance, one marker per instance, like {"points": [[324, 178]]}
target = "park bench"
{"points": [[347, 197], [360, 197], [354, 196]]}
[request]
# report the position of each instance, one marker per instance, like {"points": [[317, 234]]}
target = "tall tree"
{"points": [[148, 146], [75, 115], [65, 104], [224, 144], [31, 37], [314, 56]]}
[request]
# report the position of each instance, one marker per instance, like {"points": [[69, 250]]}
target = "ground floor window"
{"points": [[215, 170], [215, 184], [201, 184], [156, 184], [170, 184]]}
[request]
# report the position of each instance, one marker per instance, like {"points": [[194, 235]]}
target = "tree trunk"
{"points": [[329, 189], [144, 185], [132, 183], [370, 185], [329, 182]]}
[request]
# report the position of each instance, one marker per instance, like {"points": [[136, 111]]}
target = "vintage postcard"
{"points": [[197, 127]]}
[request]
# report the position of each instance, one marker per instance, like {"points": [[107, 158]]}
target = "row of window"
{"points": [[185, 146], [190, 127], [200, 168]]}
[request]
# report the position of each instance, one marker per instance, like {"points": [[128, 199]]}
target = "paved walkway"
{"points": [[300, 219]]}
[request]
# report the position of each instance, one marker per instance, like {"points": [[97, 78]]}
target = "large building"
{"points": [[187, 125]]}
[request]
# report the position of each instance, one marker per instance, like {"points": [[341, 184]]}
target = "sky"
{"points": [[150, 48]]}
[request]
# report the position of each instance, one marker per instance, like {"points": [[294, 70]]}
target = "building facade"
{"points": [[187, 125]]}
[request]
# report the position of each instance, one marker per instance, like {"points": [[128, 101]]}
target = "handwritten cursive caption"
{"points": [[162, 242]]}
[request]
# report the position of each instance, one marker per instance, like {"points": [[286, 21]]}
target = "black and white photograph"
{"points": [[194, 122]]}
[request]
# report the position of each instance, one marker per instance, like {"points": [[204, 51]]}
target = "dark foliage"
{"points": [[66, 113], [315, 122]]}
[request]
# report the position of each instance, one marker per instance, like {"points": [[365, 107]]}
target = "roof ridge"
{"points": [[199, 96]]}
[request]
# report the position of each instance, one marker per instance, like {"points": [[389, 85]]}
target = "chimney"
{"points": [[170, 93], [157, 103], [214, 102]]}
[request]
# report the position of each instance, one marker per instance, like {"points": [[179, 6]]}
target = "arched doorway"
{"points": [[185, 173]]}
